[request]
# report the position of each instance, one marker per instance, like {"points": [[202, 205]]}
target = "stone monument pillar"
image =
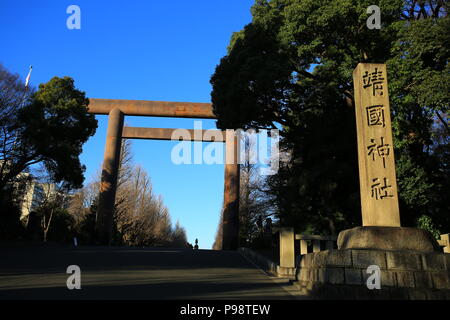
{"points": [[378, 184]]}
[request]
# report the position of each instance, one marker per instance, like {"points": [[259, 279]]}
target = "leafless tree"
{"points": [[51, 199], [140, 216], [254, 201], [13, 96], [254, 204]]}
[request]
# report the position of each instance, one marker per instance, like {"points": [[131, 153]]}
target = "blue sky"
{"points": [[143, 50]]}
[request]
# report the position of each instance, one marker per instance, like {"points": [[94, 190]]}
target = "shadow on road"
{"points": [[132, 273]]}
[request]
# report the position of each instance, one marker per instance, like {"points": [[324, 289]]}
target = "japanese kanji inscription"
{"points": [[378, 183]]}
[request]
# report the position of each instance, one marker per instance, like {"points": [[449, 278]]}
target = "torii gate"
{"points": [[117, 109]]}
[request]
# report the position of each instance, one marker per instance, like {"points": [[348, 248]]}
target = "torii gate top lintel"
{"points": [[152, 108]]}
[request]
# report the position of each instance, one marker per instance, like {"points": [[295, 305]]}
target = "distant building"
{"points": [[29, 194], [32, 195]]}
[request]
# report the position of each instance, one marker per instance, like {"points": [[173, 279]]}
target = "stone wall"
{"points": [[342, 274]]}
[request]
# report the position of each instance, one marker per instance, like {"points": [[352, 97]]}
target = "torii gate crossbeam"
{"points": [[116, 110]]}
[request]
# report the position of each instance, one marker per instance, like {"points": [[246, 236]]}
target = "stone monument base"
{"points": [[342, 274], [387, 238]]}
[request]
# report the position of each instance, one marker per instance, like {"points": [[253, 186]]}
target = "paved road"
{"points": [[134, 273]]}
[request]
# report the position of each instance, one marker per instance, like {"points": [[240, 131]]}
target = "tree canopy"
{"points": [[47, 126], [291, 68]]}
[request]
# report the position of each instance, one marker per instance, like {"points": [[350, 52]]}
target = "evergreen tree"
{"points": [[291, 68]]}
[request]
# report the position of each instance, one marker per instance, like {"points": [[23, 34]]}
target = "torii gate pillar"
{"points": [[108, 185], [230, 231]]}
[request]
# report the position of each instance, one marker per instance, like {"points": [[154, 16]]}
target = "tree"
{"points": [[48, 126], [140, 216], [82, 208], [179, 236], [421, 88], [50, 203], [291, 68], [218, 238], [85, 229], [48, 217], [254, 202], [13, 96], [11, 228]]}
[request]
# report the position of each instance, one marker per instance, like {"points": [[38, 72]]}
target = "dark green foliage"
{"points": [[61, 228], [55, 126], [85, 230], [420, 95], [291, 68], [425, 222], [10, 226]]}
